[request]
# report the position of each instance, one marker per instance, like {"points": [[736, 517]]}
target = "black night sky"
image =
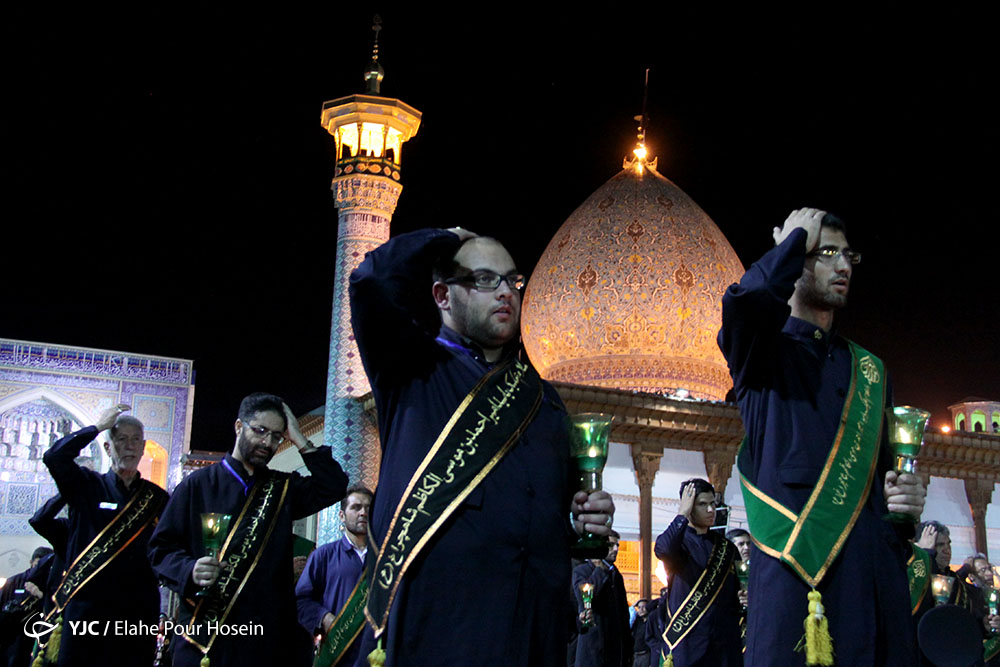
{"points": [[168, 182]]}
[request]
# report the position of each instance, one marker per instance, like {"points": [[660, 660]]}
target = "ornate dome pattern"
{"points": [[628, 292]]}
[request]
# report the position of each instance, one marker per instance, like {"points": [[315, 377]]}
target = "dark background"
{"points": [[168, 182]]}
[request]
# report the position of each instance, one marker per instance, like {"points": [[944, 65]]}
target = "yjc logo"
{"points": [[38, 628]]}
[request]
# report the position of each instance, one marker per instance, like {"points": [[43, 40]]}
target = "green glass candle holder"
{"points": [[941, 586], [214, 529], [588, 446], [906, 434]]}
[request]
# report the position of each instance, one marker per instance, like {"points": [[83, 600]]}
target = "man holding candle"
{"points": [[436, 315], [606, 642], [247, 615], [817, 473]]}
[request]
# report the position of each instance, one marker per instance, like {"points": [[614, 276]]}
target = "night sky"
{"points": [[168, 182]]}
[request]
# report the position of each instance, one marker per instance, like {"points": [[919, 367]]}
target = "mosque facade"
{"points": [[48, 391]]}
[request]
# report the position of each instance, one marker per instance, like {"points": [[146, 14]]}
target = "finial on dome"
{"points": [[374, 73], [639, 162]]}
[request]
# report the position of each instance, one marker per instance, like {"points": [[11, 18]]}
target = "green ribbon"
{"points": [[809, 540], [918, 574], [350, 619]]}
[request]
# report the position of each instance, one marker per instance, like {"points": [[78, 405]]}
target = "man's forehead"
{"points": [[359, 498], [828, 236], [485, 254], [268, 418]]}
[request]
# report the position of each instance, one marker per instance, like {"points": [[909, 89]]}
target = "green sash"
{"points": [[702, 594], [991, 648], [482, 430], [810, 540], [918, 574], [140, 511], [241, 552], [346, 627]]}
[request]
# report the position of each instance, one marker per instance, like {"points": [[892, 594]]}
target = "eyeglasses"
{"points": [[831, 254], [263, 434], [487, 281]]}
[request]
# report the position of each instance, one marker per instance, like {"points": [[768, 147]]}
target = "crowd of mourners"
{"points": [[463, 553]]}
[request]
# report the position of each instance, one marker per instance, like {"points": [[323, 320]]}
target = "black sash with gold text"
{"points": [[481, 431], [703, 593], [242, 551], [140, 511]]}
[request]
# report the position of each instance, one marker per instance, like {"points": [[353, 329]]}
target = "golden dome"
{"points": [[628, 292]]}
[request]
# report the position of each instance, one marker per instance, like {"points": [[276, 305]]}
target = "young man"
{"points": [[607, 642], [818, 478], [111, 518], [704, 610], [436, 315], [330, 581], [247, 615]]}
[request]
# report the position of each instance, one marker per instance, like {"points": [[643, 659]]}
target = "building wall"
{"points": [[48, 391]]}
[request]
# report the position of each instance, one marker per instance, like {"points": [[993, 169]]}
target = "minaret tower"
{"points": [[369, 131]]}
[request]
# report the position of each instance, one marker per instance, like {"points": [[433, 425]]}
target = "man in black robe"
{"points": [[124, 593], [606, 640], [491, 585], [261, 627]]}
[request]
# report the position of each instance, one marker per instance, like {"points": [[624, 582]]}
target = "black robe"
{"points": [[266, 605]]}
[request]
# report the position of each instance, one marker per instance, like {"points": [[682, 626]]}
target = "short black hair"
{"points": [[736, 532], [700, 486], [834, 222], [359, 489], [40, 552], [938, 526], [261, 402]]}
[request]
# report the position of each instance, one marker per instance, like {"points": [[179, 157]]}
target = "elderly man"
{"points": [[816, 477], [328, 595], [246, 614], [111, 518], [475, 486]]}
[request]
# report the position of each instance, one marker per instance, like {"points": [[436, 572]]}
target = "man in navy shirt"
{"points": [[687, 547], [333, 570], [489, 586], [792, 375]]}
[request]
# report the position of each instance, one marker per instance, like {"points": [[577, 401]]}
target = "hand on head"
{"points": [[808, 219]]}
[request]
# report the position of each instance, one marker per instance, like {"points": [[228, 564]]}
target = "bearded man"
{"points": [[238, 604]]}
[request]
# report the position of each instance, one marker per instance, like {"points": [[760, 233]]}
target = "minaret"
{"points": [[369, 131]]}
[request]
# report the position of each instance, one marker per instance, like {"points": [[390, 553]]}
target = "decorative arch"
{"points": [[960, 422], [79, 414], [977, 422]]}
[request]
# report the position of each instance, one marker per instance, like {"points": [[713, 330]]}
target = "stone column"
{"points": [[646, 465], [979, 492], [719, 465]]}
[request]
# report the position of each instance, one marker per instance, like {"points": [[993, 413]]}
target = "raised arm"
{"points": [[392, 310], [755, 309], [60, 459]]}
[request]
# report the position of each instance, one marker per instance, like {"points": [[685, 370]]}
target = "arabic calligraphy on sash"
{"points": [[463, 453]]}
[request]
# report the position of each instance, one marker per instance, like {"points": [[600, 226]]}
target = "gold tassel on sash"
{"points": [[377, 657], [670, 660], [818, 644], [204, 661]]}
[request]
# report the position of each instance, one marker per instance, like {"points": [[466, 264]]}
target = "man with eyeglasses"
{"points": [[238, 604], [474, 510], [815, 467]]}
